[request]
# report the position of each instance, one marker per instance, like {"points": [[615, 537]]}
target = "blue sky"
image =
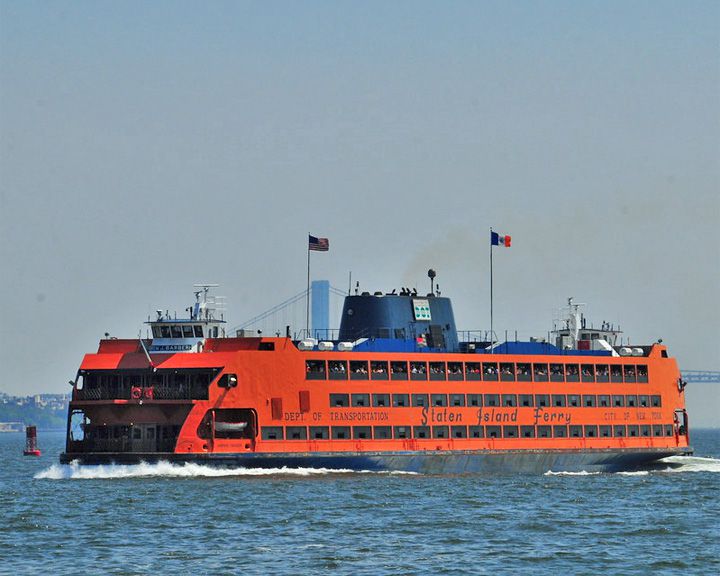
{"points": [[148, 146]]}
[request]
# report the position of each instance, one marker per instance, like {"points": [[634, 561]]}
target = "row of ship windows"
{"points": [[490, 371], [341, 400], [425, 432]]}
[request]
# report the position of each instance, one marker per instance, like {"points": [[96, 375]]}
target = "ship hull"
{"points": [[435, 462]]}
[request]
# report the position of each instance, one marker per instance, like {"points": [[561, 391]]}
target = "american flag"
{"points": [[318, 244]]}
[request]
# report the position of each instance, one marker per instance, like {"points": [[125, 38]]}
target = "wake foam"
{"points": [[74, 471], [690, 464], [580, 473]]}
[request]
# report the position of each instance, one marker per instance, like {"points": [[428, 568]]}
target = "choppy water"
{"points": [[158, 519]]}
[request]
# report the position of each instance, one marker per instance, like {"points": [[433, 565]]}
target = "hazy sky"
{"points": [[147, 146]]}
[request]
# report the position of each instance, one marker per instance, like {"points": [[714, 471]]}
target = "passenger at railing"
{"points": [[507, 370], [642, 371], [572, 370], [586, 371], [602, 371], [523, 370], [541, 370]]}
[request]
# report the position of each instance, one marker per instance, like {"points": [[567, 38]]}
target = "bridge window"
{"points": [[340, 432], [156, 332], [165, 332], [176, 331], [589, 401], [319, 432], [187, 331], [401, 400], [383, 432], [198, 330]]}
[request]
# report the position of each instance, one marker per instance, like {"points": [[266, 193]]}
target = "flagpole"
{"points": [[307, 293], [492, 334]]}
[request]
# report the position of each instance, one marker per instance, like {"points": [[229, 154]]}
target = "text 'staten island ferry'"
{"points": [[397, 390]]}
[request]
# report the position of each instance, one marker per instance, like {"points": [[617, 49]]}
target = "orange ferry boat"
{"points": [[396, 390]]}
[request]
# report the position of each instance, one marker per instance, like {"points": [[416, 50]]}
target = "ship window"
{"points": [[271, 432], [642, 374], [362, 432], [493, 431], [472, 371], [655, 401], [137, 433], [663, 354], [526, 400], [400, 333], [399, 370], [437, 370], [458, 431], [619, 430], [589, 401], [455, 371], [490, 371], [440, 431], [476, 432], [645, 430], [338, 369], [523, 372], [507, 372], [631, 401], [457, 399], [319, 432], [296, 433], [572, 374], [401, 400], [616, 373], [604, 401], [360, 400], [176, 331], [379, 370], [591, 431], [187, 331], [402, 432], [381, 400], [602, 372], [165, 331], [358, 370], [156, 331], [587, 373], [558, 400], [339, 400], [509, 400], [542, 400], [438, 399], [644, 401], [340, 432], [618, 401], [658, 430], [540, 372], [632, 431], [198, 331], [630, 374], [527, 431], [492, 400], [421, 431], [383, 432], [420, 400], [544, 431], [576, 431], [510, 431], [474, 399], [315, 369], [418, 371], [560, 431], [605, 431], [573, 400], [556, 372], [669, 430]]}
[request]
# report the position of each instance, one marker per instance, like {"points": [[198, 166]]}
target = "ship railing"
{"points": [[156, 392]]}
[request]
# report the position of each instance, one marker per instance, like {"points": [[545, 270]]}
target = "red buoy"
{"points": [[31, 448]]}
